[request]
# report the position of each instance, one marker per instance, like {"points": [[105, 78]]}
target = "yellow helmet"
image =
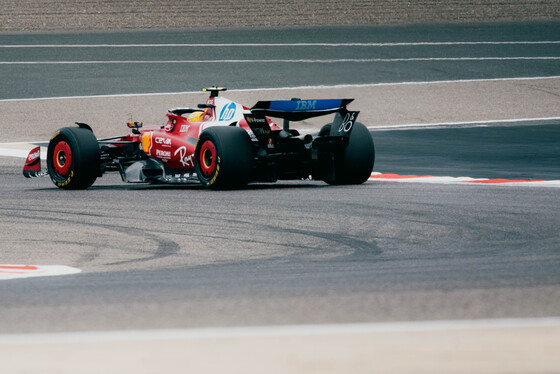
{"points": [[196, 117]]}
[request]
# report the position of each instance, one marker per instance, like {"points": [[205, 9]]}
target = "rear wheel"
{"points": [[354, 163], [224, 157], [73, 158]]}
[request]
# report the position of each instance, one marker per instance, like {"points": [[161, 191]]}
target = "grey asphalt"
{"points": [[287, 253], [47, 80], [298, 252], [497, 151]]}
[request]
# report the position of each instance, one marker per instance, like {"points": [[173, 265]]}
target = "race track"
{"points": [[180, 258]]}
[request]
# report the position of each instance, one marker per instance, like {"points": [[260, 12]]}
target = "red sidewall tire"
{"points": [[73, 158], [208, 159], [224, 157], [62, 158]]}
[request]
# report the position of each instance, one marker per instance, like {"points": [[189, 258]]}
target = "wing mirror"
{"points": [[134, 126]]}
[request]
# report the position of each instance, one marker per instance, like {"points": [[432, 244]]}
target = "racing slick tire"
{"points": [[73, 158], [224, 157], [354, 163]]}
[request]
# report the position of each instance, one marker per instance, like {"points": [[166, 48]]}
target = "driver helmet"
{"points": [[196, 117]]}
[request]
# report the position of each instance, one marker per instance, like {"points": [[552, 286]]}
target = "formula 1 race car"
{"points": [[221, 143]]}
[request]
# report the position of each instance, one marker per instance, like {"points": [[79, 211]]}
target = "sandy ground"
{"points": [[493, 350], [33, 15], [380, 105]]}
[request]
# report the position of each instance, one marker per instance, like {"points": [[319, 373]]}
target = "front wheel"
{"points": [[354, 163], [73, 158], [224, 157]]}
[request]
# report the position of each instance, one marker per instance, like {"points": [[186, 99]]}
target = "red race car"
{"points": [[221, 143]]}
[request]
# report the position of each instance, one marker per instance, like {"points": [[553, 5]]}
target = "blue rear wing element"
{"points": [[298, 110]]}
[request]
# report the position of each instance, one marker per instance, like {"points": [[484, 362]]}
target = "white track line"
{"points": [[461, 123], [275, 331], [190, 45], [316, 87], [389, 177], [276, 61]]}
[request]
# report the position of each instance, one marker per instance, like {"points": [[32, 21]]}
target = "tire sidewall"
{"points": [[354, 163], [84, 163], [210, 180], [234, 158]]}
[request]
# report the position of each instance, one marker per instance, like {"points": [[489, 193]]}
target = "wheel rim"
{"points": [[62, 158], [208, 158]]}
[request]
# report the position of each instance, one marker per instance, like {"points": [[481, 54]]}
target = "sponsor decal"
{"points": [[227, 112], [259, 131], [256, 120], [186, 161], [348, 122], [163, 154], [185, 128], [213, 180], [166, 142], [33, 156], [306, 104], [170, 124], [66, 182]]}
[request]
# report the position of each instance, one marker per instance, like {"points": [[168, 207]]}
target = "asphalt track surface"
{"points": [[35, 65], [174, 257], [497, 151]]}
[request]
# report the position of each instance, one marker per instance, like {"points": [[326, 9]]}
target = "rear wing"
{"points": [[299, 110]]}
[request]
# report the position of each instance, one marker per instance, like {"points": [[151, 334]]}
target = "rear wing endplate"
{"points": [[343, 124]]}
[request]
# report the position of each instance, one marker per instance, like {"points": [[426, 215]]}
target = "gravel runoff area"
{"points": [[45, 15]]}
